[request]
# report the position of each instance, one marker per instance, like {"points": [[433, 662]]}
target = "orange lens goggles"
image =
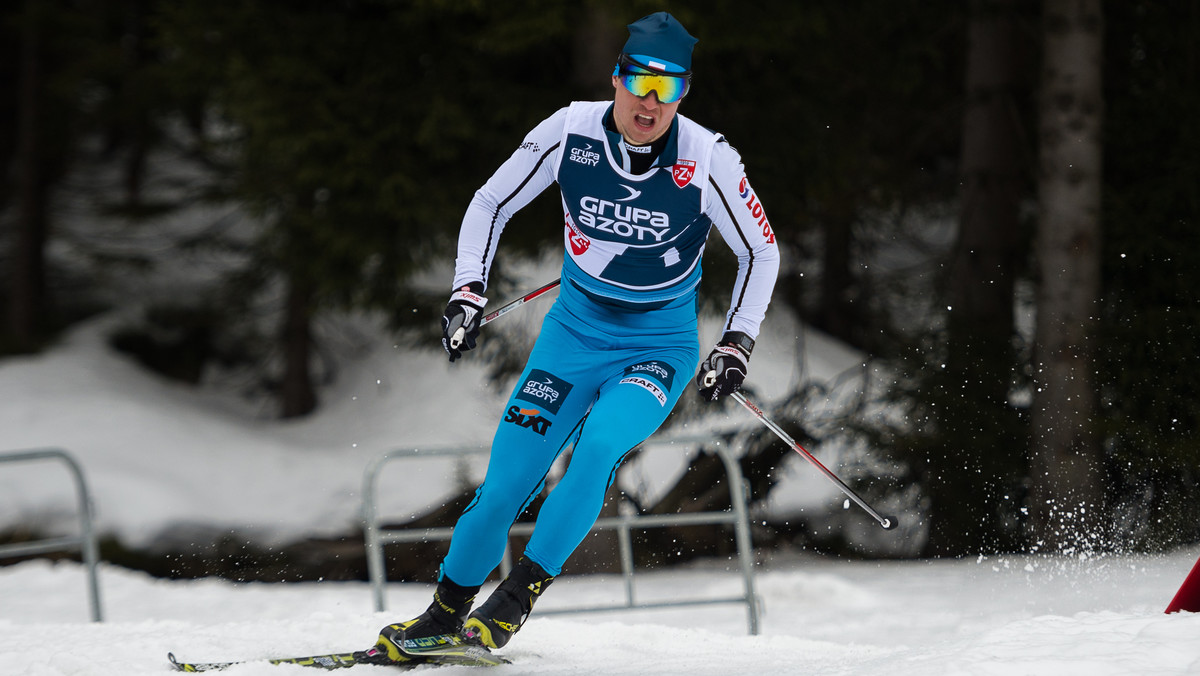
{"points": [[640, 82]]}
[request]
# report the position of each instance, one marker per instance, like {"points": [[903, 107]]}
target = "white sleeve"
{"points": [[523, 176], [738, 214]]}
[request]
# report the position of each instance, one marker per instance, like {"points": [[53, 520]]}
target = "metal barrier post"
{"points": [[376, 537], [737, 494], [625, 541], [373, 536], [85, 541]]}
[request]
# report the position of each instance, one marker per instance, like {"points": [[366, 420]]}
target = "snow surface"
{"points": [[1003, 616], [160, 457]]}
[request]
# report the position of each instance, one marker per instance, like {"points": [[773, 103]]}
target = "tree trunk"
{"points": [[27, 289], [597, 42], [976, 464], [985, 257], [1067, 492], [297, 395], [838, 315]]}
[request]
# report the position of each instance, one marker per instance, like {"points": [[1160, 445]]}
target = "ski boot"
{"points": [[437, 627], [493, 624]]}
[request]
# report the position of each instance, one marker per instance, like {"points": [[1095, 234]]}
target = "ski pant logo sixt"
{"points": [[528, 418]]}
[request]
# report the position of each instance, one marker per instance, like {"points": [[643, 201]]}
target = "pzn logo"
{"points": [[529, 418]]}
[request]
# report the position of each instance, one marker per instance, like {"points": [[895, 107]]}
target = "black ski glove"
{"points": [[724, 369], [460, 321]]}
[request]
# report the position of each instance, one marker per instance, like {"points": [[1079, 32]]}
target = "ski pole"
{"points": [[888, 522], [457, 338]]}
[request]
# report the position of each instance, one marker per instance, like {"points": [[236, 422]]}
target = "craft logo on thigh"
{"points": [[545, 390], [649, 375], [529, 418], [649, 385]]}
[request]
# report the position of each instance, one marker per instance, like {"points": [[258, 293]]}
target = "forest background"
{"points": [[994, 201]]}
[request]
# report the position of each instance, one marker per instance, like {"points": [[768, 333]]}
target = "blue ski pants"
{"points": [[601, 377]]}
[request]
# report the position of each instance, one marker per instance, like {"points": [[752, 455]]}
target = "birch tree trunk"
{"points": [[1066, 474]]}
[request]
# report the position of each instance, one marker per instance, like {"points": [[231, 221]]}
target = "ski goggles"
{"points": [[641, 81]]}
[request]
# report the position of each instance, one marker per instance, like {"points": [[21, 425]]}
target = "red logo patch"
{"points": [[683, 171], [756, 209], [579, 241]]}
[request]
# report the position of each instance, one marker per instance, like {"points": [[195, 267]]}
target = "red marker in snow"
{"points": [[1188, 596]]}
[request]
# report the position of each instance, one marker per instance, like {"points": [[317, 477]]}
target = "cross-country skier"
{"points": [[641, 189]]}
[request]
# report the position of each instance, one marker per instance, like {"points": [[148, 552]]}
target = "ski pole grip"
{"points": [[456, 330]]}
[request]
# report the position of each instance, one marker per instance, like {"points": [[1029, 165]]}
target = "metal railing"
{"points": [[376, 535], [85, 541]]}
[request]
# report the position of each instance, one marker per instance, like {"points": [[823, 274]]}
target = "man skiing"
{"points": [[641, 188]]}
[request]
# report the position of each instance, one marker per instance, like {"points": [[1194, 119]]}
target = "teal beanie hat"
{"points": [[661, 43]]}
